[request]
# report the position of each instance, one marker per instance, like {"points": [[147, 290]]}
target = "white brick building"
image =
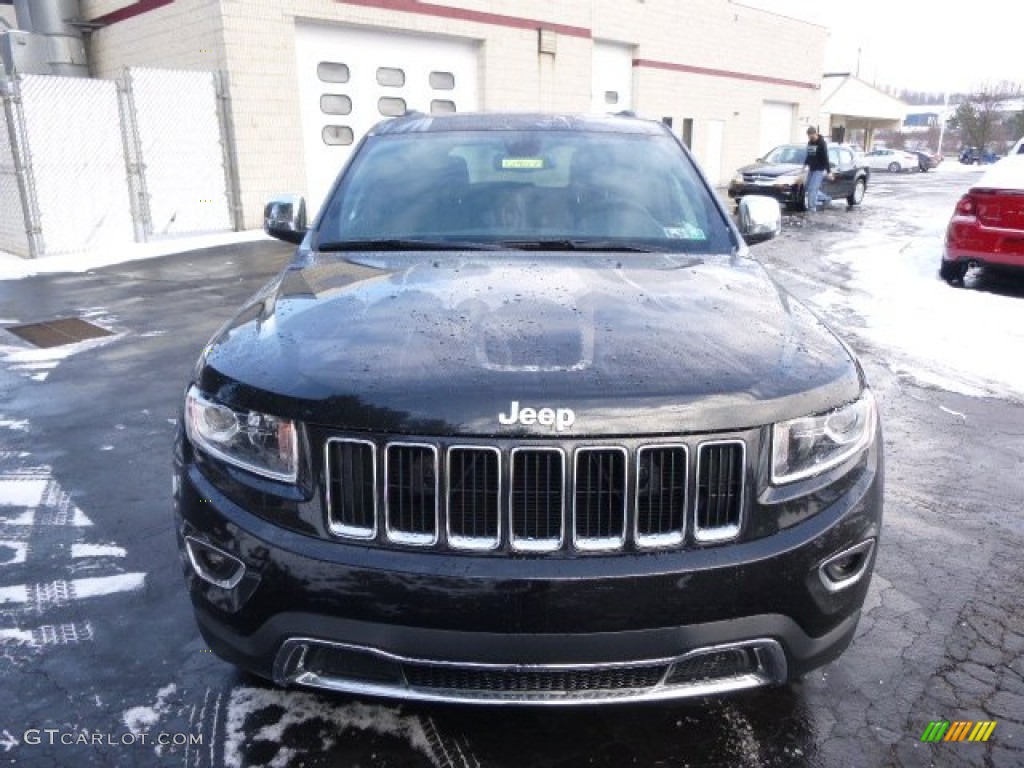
{"points": [[307, 77]]}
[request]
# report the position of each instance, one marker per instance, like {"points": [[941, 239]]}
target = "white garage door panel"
{"points": [[713, 142], [348, 77], [776, 125], [612, 85]]}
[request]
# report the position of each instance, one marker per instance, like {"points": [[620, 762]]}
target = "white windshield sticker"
{"points": [[686, 231]]}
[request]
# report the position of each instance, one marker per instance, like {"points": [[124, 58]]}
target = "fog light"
{"points": [[214, 565], [847, 567]]}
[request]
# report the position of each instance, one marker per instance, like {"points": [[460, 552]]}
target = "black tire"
{"points": [[855, 197], [804, 201], [953, 272], [894, 167]]}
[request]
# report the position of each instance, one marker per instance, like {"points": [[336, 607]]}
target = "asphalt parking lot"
{"points": [[100, 658]]}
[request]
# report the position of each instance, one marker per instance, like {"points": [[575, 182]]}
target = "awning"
{"points": [[848, 101]]}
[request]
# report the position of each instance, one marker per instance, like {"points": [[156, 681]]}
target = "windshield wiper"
{"points": [[579, 245], [402, 244]]}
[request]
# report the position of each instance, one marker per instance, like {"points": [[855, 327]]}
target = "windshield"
{"points": [[794, 155], [522, 189]]}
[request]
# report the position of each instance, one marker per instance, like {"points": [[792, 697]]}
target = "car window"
{"points": [[845, 157], [787, 154], [833, 156], [501, 186]]}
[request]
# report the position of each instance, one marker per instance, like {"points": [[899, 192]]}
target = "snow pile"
{"points": [[13, 267], [962, 340]]}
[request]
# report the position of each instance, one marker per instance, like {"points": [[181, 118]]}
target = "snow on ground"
{"points": [[13, 267], [957, 339], [282, 711]]}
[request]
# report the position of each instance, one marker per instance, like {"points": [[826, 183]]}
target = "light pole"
{"points": [[943, 118]]}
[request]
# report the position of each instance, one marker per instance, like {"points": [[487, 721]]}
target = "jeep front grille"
{"points": [[534, 498]]}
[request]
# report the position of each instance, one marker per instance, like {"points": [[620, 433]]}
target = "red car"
{"points": [[987, 227]]}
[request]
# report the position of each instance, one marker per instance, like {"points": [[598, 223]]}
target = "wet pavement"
{"points": [[100, 658]]}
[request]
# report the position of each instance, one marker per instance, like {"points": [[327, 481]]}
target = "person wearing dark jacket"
{"points": [[817, 166]]}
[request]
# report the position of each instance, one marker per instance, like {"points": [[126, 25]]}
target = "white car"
{"points": [[1018, 148], [893, 160]]}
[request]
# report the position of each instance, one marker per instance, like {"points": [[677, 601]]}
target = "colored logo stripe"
{"points": [[958, 730], [982, 731], [935, 731]]}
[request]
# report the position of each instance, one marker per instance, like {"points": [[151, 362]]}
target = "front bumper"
{"points": [[789, 194], [500, 629]]}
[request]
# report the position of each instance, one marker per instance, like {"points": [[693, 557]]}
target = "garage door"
{"points": [[776, 125], [350, 79]]}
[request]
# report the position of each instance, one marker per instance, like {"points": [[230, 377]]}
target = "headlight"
{"points": [[254, 441], [813, 444], [737, 179], [790, 178]]}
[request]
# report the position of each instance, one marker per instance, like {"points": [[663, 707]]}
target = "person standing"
{"points": [[817, 166]]}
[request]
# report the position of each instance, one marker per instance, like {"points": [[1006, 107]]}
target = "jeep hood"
{"points": [[443, 343]]}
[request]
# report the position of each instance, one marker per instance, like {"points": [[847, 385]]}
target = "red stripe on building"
{"points": [[135, 9], [464, 14], [672, 67]]}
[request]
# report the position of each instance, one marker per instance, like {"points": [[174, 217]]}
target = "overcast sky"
{"points": [[918, 45]]}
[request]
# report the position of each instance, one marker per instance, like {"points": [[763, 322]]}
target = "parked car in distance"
{"points": [[780, 174], [523, 422], [987, 226], [926, 160], [892, 160], [976, 156]]}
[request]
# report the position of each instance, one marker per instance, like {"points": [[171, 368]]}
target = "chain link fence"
{"points": [[101, 163], [14, 226]]}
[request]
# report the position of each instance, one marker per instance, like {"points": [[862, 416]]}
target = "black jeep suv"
{"points": [[523, 422]]}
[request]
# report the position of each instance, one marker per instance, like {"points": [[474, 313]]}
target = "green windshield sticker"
{"points": [[522, 163]]}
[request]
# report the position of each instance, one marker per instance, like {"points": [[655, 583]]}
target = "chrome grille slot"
{"points": [[661, 495], [537, 499], [533, 681], [351, 488], [720, 472], [474, 497], [411, 493], [599, 503]]}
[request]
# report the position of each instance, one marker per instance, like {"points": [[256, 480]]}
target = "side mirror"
{"points": [[284, 217], [760, 218]]}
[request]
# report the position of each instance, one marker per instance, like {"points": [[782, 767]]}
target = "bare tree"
{"points": [[978, 118], [1015, 125]]}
